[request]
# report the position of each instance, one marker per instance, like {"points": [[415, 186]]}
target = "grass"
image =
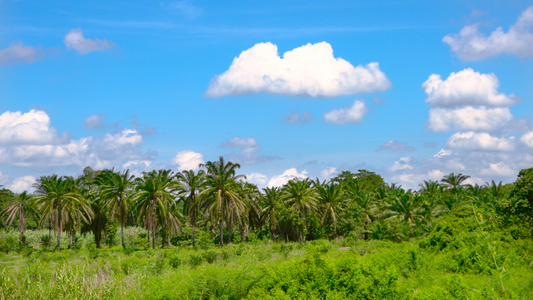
{"points": [[321, 269]]}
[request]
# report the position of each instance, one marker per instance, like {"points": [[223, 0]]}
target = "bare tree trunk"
{"points": [[59, 229], [122, 234], [153, 235]]}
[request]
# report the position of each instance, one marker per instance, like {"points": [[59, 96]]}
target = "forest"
{"points": [[210, 234]]}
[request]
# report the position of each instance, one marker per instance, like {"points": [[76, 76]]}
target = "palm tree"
{"points": [[59, 200], [454, 181], [20, 206], [191, 183], [221, 198], [430, 186], [403, 204], [332, 202], [300, 196], [117, 188], [154, 201], [268, 203]]}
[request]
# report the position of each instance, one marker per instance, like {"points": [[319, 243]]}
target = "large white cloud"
{"points": [[310, 70], [287, 175], [257, 178], [470, 44], [479, 141], [75, 40], [188, 160], [467, 100], [32, 127], [468, 118], [466, 87], [18, 53], [350, 114], [328, 172]]}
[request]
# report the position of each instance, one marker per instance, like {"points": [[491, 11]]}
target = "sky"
{"points": [[411, 90]]}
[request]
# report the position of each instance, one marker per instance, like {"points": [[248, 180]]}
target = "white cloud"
{"points": [[32, 127], [499, 169], [466, 88], [188, 160], [351, 114], [257, 178], [401, 164], [28, 140], [328, 172], [470, 44], [249, 151], [296, 117], [17, 53], [75, 40], [22, 184], [474, 141], [124, 137], [310, 70], [95, 121], [287, 175], [394, 145], [527, 139], [468, 118]]}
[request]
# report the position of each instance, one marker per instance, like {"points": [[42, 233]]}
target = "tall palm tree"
{"points": [[406, 205], [117, 188], [191, 183], [59, 200], [300, 196], [268, 203], [332, 202], [454, 182], [430, 186], [21, 205], [154, 201], [220, 198]]}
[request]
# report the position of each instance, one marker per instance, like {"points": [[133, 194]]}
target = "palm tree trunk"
{"points": [[193, 234], [59, 228], [153, 234], [50, 232], [122, 234], [221, 234]]}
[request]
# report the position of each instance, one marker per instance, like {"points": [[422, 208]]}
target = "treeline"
{"points": [[218, 200]]}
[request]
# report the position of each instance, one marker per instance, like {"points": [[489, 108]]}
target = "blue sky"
{"points": [[412, 90]]}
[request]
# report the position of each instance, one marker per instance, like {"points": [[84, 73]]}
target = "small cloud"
{"points": [[328, 172], [257, 179], [144, 130], [351, 114], [310, 70], [95, 121], [22, 184], [470, 44], [296, 117], [396, 146], [430, 145], [401, 164], [287, 175], [474, 141], [249, 151], [75, 40], [17, 53], [498, 169], [184, 8], [188, 160]]}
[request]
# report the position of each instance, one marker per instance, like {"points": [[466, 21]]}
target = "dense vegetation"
{"points": [[211, 234]]}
